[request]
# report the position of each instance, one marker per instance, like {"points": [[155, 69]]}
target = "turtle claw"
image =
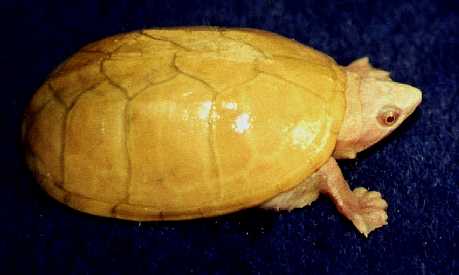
{"points": [[369, 211], [363, 67]]}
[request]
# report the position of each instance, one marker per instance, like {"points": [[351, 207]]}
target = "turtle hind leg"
{"points": [[303, 194], [366, 209], [363, 68]]}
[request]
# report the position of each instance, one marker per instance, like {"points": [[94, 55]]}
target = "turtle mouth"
{"points": [[417, 95]]}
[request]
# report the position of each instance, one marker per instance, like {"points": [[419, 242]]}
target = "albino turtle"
{"points": [[182, 123]]}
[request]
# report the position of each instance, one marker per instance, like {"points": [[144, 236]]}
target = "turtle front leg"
{"points": [[366, 209]]}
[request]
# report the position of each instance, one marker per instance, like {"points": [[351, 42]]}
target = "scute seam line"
{"points": [[292, 83], [143, 33], [212, 146]]}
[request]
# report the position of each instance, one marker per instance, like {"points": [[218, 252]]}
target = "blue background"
{"points": [[416, 168]]}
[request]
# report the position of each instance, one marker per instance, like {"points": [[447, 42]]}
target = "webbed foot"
{"points": [[363, 68], [368, 211]]}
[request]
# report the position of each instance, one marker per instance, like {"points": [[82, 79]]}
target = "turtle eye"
{"points": [[389, 116]]}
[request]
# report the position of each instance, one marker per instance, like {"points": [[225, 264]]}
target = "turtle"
{"points": [[181, 123]]}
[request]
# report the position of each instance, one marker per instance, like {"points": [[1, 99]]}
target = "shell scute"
{"points": [[95, 156], [82, 71], [163, 162]]}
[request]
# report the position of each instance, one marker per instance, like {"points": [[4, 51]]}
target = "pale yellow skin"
{"points": [[185, 123]]}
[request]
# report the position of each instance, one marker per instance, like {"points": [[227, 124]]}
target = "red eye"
{"points": [[388, 117]]}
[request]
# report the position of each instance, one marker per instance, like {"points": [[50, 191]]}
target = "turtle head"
{"points": [[375, 107]]}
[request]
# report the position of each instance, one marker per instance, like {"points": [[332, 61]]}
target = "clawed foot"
{"points": [[363, 67], [369, 211]]}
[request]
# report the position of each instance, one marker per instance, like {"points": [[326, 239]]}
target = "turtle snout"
{"points": [[407, 98]]}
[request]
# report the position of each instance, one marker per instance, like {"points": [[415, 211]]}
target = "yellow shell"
{"points": [[181, 123]]}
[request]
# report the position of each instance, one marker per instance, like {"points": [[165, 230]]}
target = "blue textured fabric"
{"points": [[416, 168]]}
